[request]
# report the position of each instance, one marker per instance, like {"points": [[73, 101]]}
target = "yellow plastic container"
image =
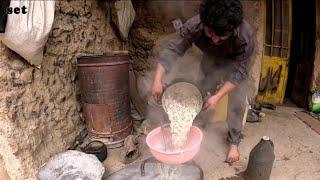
{"points": [[221, 111]]}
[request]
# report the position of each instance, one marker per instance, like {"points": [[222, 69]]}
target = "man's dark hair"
{"points": [[221, 16]]}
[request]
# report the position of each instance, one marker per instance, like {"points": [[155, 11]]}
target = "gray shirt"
{"points": [[237, 49]]}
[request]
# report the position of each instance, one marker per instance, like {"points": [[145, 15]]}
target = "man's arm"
{"points": [[225, 89], [213, 100], [240, 73], [157, 88], [170, 54], [176, 48]]}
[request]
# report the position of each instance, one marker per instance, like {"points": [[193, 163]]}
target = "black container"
{"points": [[98, 149], [260, 160]]}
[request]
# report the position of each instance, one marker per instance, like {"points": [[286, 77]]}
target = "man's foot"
{"points": [[233, 155]]}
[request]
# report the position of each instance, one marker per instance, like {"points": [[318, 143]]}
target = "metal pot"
{"points": [[188, 88]]}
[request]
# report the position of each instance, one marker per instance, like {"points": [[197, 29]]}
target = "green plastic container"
{"points": [[315, 107]]}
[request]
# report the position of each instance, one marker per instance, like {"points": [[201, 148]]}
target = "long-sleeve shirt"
{"points": [[237, 49]]}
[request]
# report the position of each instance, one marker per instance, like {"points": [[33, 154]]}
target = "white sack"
{"points": [[27, 34], [123, 15]]}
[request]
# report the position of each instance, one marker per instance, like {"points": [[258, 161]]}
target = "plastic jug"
{"points": [[261, 160]]}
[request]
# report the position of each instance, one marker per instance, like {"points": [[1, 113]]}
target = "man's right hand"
{"points": [[157, 90]]}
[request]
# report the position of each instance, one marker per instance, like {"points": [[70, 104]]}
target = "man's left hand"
{"points": [[211, 102]]}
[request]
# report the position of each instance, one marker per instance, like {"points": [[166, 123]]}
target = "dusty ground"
{"points": [[296, 148]]}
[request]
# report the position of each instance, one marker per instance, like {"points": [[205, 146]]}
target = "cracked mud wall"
{"points": [[39, 108]]}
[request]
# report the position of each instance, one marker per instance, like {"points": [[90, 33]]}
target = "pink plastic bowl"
{"points": [[156, 144]]}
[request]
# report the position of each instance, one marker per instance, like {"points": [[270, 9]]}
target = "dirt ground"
{"points": [[297, 148]]}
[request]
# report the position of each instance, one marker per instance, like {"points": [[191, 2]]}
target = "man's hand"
{"points": [[157, 90], [157, 87], [211, 102]]}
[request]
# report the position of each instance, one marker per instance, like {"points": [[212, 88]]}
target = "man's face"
{"points": [[214, 38]]}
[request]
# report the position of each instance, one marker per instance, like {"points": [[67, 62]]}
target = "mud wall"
{"points": [[39, 108], [254, 15], [316, 72]]}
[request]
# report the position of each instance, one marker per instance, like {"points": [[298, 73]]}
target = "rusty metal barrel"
{"points": [[104, 86]]}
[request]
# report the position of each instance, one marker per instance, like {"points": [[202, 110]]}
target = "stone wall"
{"points": [[316, 72], [39, 108]]}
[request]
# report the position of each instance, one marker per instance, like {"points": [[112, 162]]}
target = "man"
{"points": [[226, 41]]}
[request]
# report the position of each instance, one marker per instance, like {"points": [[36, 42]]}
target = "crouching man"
{"points": [[226, 41]]}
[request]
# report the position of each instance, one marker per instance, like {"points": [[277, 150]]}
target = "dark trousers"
{"points": [[212, 77]]}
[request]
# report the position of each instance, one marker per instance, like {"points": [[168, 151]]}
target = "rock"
{"points": [[71, 165], [17, 64], [123, 15], [27, 76], [56, 32], [65, 8]]}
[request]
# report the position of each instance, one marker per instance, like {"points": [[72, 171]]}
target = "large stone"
{"points": [[71, 165]]}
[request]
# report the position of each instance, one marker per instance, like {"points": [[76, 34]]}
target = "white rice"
{"points": [[182, 102]]}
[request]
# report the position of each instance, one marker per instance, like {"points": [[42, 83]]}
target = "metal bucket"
{"points": [[174, 92], [104, 84]]}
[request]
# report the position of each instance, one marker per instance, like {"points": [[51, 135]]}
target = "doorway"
{"points": [[276, 56], [289, 50], [302, 51]]}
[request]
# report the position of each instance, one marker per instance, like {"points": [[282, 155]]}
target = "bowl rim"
{"points": [[175, 83], [194, 146]]}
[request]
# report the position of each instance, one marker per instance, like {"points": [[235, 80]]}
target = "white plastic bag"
{"points": [[27, 34], [123, 15]]}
